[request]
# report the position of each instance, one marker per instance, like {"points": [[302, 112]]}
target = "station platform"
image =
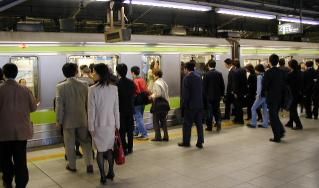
{"points": [[238, 157]]}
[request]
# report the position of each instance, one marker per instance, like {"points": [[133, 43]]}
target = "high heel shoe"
{"points": [[103, 180], [110, 176]]}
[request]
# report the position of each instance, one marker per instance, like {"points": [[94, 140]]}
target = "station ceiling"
{"points": [[90, 16]]}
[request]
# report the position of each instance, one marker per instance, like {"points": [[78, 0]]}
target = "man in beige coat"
{"points": [[16, 103], [71, 109]]}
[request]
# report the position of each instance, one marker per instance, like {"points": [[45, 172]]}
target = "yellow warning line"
{"points": [[173, 135]]}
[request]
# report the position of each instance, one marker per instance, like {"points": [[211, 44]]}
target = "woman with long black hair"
{"points": [[104, 118]]}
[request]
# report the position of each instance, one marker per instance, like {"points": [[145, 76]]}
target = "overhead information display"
{"points": [[289, 28]]}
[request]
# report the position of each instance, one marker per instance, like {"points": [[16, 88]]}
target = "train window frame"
{"points": [[97, 55], [36, 74]]}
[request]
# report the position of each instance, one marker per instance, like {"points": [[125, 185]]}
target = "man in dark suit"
{"points": [[192, 105], [273, 85], [309, 81], [126, 91], [214, 88], [229, 93], [315, 95], [282, 66], [239, 88]]}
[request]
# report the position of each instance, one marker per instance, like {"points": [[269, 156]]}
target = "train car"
{"points": [[40, 57]]}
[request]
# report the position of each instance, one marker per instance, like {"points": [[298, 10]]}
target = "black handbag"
{"points": [[160, 105], [142, 99]]}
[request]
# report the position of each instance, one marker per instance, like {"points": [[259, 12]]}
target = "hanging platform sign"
{"points": [[289, 28]]}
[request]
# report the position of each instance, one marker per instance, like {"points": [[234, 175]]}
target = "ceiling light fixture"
{"points": [[245, 13], [166, 4], [297, 20]]}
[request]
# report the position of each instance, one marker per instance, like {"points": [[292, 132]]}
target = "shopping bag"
{"points": [[119, 155]]}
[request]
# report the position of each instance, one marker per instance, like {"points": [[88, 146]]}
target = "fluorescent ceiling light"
{"points": [[245, 13], [297, 20], [166, 4]]}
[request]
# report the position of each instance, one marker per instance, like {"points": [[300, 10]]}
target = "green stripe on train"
{"points": [[115, 49], [49, 117], [281, 51]]}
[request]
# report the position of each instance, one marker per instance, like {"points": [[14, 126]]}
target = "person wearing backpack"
{"points": [[160, 106]]}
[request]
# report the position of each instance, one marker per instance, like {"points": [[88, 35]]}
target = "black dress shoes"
{"points": [[199, 145], [274, 140], [89, 169], [297, 128], [181, 144], [209, 129], [70, 169], [165, 139], [251, 126]]}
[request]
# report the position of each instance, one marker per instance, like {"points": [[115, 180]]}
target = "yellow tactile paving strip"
{"points": [[175, 133]]}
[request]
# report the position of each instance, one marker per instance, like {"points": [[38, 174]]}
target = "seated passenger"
{"points": [[86, 75], [23, 82], [260, 100]]}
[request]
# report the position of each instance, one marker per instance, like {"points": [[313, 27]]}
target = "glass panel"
{"points": [[254, 62], [150, 63], [110, 60], [28, 71]]}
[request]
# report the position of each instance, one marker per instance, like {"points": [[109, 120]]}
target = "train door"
{"points": [[150, 62], [110, 60], [28, 70]]}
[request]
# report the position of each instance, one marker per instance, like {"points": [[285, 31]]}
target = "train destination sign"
{"points": [[289, 28]]}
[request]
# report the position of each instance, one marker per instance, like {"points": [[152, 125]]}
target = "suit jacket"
{"points": [[16, 103], [126, 91], [295, 83], [214, 86], [239, 83], [231, 73], [309, 81], [71, 103], [192, 92], [274, 83], [252, 86]]}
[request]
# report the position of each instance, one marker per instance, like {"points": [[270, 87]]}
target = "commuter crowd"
{"points": [[95, 108]]}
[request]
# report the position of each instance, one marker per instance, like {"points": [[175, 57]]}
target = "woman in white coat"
{"points": [[103, 114]]}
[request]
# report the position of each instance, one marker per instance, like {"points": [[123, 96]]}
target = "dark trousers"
{"points": [[293, 114], [159, 120], [213, 111], [228, 102], [190, 117], [239, 114], [315, 107], [14, 162], [308, 104], [276, 125], [126, 131]]}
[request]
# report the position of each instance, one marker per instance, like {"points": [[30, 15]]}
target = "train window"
{"points": [[150, 63], [201, 61], [254, 62], [110, 60], [28, 70]]}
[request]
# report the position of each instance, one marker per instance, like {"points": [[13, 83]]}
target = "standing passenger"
{"points": [[71, 108], [310, 76], [282, 66], [229, 97], [160, 90], [239, 88], [251, 88], [260, 100], [104, 118], [316, 93], [126, 91], [295, 84], [86, 75], [214, 88], [16, 104], [23, 82], [192, 105], [273, 85], [140, 93]]}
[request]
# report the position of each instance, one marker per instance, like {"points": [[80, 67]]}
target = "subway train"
{"points": [[40, 57]]}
